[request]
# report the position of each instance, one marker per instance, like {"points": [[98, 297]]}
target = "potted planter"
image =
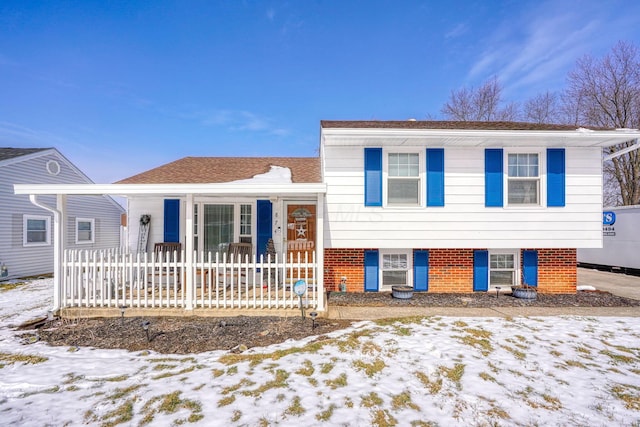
{"points": [[402, 292], [524, 292]]}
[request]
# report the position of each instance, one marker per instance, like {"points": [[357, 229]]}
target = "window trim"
{"points": [[542, 178], [25, 222], [421, 152], [408, 253], [516, 267], [92, 221]]}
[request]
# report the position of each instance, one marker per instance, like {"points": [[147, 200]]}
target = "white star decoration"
{"points": [[301, 231]]}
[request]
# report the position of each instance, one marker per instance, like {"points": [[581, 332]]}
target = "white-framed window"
{"points": [[523, 179], [395, 268], [504, 268], [36, 230], [85, 230], [218, 224], [403, 179], [245, 223]]}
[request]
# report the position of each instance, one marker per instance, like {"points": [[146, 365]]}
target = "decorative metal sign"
{"points": [[300, 288]]}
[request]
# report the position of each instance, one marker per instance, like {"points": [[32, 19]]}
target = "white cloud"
{"points": [[271, 14], [539, 46], [456, 31], [240, 120], [12, 134]]}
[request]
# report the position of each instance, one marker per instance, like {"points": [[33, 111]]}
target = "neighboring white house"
{"points": [[26, 230], [437, 206]]}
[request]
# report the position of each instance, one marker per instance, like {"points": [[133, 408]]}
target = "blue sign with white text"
{"points": [[608, 218]]}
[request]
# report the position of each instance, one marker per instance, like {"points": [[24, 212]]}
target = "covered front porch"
{"points": [[193, 278]]}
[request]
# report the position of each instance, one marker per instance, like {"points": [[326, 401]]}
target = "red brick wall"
{"points": [[557, 273], [451, 270]]}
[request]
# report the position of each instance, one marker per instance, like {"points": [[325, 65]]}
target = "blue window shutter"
{"points": [[435, 177], [171, 220], [421, 270], [493, 181], [373, 176], [530, 268], [555, 177], [371, 271], [263, 226], [480, 271]]}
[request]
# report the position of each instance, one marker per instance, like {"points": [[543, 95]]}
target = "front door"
{"points": [[301, 230]]}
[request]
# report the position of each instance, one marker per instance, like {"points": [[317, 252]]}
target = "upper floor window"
{"points": [[523, 179], [36, 230], [85, 230], [403, 179]]}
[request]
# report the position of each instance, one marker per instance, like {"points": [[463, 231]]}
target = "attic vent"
{"points": [[53, 167]]}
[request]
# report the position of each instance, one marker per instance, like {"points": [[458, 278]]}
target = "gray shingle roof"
{"points": [[7, 153], [429, 124]]}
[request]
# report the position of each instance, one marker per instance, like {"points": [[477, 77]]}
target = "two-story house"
{"points": [[460, 206]]}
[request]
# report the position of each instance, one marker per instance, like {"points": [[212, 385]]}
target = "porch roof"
{"points": [[172, 189]]}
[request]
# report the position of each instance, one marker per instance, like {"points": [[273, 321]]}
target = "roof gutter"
{"points": [[148, 189]]}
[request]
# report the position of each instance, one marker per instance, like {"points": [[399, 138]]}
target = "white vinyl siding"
{"points": [[464, 221]]}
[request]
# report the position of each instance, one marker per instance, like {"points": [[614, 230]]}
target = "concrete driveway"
{"points": [[619, 284]]}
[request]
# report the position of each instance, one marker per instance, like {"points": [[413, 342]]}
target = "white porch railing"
{"points": [[115, 279]]}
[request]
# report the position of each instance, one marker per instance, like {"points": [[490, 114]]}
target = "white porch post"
{"points": [[320, 250], [188, 244], [59, 239]]}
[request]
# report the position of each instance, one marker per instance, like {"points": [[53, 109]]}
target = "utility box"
{"points": [[620, 240]]}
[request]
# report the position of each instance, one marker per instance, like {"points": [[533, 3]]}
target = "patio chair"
{"points": [[241, 253], [167, 253]]}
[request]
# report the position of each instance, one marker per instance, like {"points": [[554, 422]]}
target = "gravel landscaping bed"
{"points": [[184, 335], [481, 299]]}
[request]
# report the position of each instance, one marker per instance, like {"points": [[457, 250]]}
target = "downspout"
{"points": [[57, 249]]}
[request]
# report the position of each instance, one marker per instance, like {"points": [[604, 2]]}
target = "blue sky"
{"points": [[120, 87]]}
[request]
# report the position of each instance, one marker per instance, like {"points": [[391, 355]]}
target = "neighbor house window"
{"points": [[36, 230], [395, 269], [85, 230], [403, 179], [502, 269], [523, 179]]}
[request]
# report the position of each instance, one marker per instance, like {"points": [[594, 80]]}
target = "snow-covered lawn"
{"points": [[582, 371]]}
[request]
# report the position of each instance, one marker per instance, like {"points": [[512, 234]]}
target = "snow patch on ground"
{"points": [[562, 370]]}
